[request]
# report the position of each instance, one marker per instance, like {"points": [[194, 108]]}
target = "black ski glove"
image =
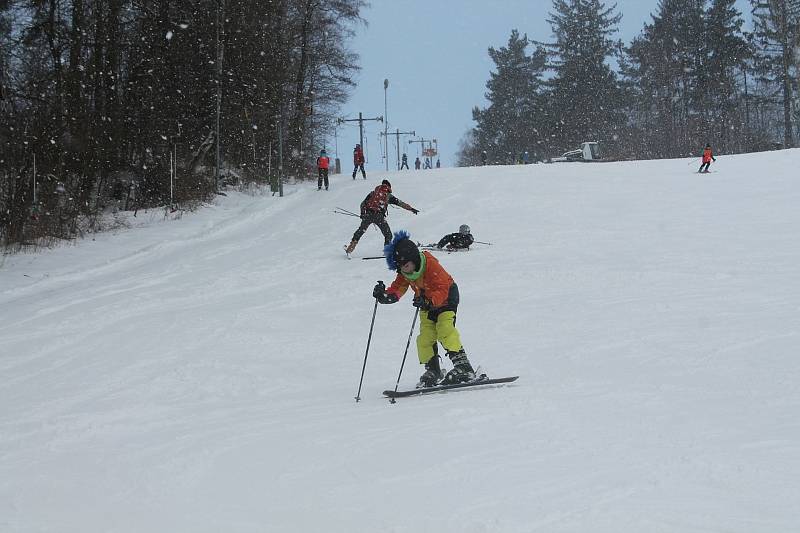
{"points": [[387, 298], [380, 294], [415, 211], [379, 289], [423, 303]]}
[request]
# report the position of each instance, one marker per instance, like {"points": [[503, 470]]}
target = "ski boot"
{"points": [[432, 375], [350, 247], [462, 371]]}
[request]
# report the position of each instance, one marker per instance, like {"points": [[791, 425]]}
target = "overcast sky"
{"points": [[434, 54]]}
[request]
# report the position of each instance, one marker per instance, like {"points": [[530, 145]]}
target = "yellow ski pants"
{"points": [[443, 331]]}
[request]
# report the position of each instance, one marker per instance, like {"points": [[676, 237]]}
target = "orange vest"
{"points": [[323, 161], [707, 155]]}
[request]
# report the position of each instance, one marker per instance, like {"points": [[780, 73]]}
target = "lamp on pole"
{"points": [[385, 124]]}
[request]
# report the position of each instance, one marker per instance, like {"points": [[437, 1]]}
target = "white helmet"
{"points": [[463, 228]]}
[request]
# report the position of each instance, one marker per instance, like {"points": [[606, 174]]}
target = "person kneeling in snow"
{"points": [[436, 296], [457, 241]]}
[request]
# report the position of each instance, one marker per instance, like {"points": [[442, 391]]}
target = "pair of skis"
{"points": [[434, 248], [477, 382]]}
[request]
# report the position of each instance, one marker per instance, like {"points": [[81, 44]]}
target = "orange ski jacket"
{"points": [[435, 281]]}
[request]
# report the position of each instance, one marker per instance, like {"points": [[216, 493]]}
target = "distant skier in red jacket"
{"points": [[708, 156], [322, 169], [358, 161]]}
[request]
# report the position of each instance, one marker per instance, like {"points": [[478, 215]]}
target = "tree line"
{"points": [[692, 76], [103, 101]]}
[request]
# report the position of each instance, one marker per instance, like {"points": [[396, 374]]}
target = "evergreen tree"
{"points": [[512, 122], [667, 65], [776, 32], [586, 100], [727, 54]]}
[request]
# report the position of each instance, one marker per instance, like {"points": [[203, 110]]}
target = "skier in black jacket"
{"points": [[457, 241]]}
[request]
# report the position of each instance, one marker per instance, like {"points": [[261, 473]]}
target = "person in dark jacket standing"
{"points": [[358, 161], [404, 163], [457, 241], [322, 169], [708, 156], [373, 211]]}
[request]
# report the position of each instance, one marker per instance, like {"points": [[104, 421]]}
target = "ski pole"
{"points": [[343, 213], [345, 210], [479, 242], [369, 339], [413, 323]]}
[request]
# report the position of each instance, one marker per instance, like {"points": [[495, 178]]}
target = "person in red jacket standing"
{"points": [[358, 161], [322, 169], [708, 156]]}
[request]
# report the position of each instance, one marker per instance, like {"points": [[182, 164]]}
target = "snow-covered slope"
{"points": [[199, 375]]}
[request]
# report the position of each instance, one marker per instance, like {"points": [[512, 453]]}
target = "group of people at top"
{"points": [[417, 163], [323, 165]]}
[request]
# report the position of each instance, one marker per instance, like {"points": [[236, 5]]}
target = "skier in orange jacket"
{"points": [[708, 156], [436, 296]]}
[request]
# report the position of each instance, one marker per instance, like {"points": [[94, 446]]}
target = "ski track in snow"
{"points": [[199, 374]]}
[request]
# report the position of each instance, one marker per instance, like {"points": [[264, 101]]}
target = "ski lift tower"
{"points": [[360, 121], [430, 151]]}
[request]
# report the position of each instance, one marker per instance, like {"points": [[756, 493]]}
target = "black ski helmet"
{"points": [[405, 250]]}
